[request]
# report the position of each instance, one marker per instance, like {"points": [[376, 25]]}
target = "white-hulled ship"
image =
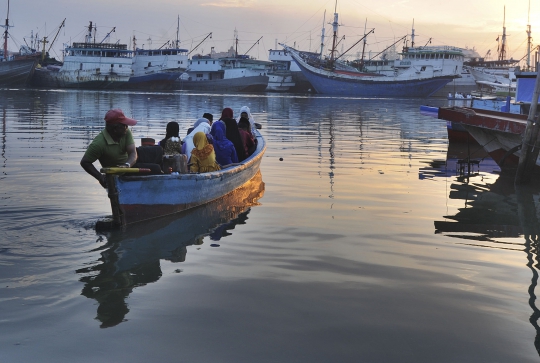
{"points": [[89, 64], [286, 75], [231, 74], [157, 69]]}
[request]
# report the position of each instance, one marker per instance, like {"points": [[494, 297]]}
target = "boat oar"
{"points": [[124, 170]]}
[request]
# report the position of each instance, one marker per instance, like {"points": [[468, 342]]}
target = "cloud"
{"points": [[231, 4]]}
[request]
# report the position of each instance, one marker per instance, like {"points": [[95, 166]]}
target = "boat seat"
{"points": [[150, 155], [176, 163]]}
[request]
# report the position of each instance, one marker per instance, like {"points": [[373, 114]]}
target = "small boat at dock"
{"points": [[136, 198]]}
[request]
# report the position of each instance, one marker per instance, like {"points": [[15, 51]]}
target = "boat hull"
{"points": [[17, 73], [78, 80], [499, 133], [153, 82], [241, 84], [147, 197], [373, 86]]}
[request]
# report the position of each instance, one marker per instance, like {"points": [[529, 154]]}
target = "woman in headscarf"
{"points": [[171, 143], [247, 138], [224, 148], [233, 135], [202, 126], [245, 112], [197, 123], [226, 113], [203, 157]]}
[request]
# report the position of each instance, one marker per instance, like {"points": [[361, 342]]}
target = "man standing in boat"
{"points": [[113, 147]]}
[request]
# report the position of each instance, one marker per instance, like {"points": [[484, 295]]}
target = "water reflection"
{"points": [[462, 160], [131, 258], [497, 215]]}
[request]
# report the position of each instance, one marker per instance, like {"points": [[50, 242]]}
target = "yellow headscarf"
{"points": [[202, 147]]}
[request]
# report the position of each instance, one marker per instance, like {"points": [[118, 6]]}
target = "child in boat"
{"points": [[171, 144], [203, 157]]}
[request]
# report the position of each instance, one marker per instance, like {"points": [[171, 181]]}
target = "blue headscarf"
{"points": [[224, 148]]}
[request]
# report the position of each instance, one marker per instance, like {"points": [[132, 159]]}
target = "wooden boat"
{"points": [[137, 198], [500, 133]]}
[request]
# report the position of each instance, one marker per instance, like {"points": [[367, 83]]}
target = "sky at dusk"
{"points": [[460, 23]]}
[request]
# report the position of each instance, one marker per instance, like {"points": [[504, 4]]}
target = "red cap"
{"points": [[116, 116]]}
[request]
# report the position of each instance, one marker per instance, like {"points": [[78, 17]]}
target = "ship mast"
{"points": [[322, 34], [6, 35], [236, 43], [502, 49], [412, 35], [89, 34], [529, 38], [335, 28], [177, 31], [364, 46]]}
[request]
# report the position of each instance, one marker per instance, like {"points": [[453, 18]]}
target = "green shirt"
{"points": [[109, 152]]}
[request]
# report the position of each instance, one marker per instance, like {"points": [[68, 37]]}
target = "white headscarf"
{"points": [[251, 121], [200, 126]]}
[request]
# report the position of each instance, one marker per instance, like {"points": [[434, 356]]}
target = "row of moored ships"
{"points": [[419, 72]]}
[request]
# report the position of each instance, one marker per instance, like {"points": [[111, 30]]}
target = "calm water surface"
{"points": [[363, 244]]}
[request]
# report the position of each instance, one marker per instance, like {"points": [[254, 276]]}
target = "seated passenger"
{"points": [[171, 144], [198, 122], [223, 147], [245, 112], [232, 133], [245, 133], [202, 126], [203, 157]]}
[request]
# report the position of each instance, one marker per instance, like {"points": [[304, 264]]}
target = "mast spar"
{"points": [[502, 49], [335, 25], [6, 27]]}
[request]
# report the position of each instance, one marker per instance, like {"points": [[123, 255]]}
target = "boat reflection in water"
{"points": [[462, 160], [131, 258], [492, 215]]}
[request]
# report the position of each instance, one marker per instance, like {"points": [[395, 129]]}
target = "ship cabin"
{"points": [[98, 58], [106, 50], [147, 61], [204, 68]]}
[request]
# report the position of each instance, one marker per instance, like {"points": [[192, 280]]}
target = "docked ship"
{"points": [[89, 64], [419, 72], [231, 74], [16, 69], [286, 75], [157, 69], [498, 75]]}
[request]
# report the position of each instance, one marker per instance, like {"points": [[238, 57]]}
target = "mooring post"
{"points": [[530, 143]]}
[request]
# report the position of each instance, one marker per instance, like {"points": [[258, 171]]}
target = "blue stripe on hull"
{"points": [[368, 88], [147, 197]]}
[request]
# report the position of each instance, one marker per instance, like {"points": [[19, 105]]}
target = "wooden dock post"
{"points": [[531, 143]]}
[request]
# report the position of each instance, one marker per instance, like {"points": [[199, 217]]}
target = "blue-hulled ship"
{"points": [[419, 71]]}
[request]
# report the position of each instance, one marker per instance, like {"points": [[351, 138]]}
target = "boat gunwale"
{"points": [[247, 163]]}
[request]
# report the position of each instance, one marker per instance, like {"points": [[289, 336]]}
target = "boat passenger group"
{"points": [[208, 146]]}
